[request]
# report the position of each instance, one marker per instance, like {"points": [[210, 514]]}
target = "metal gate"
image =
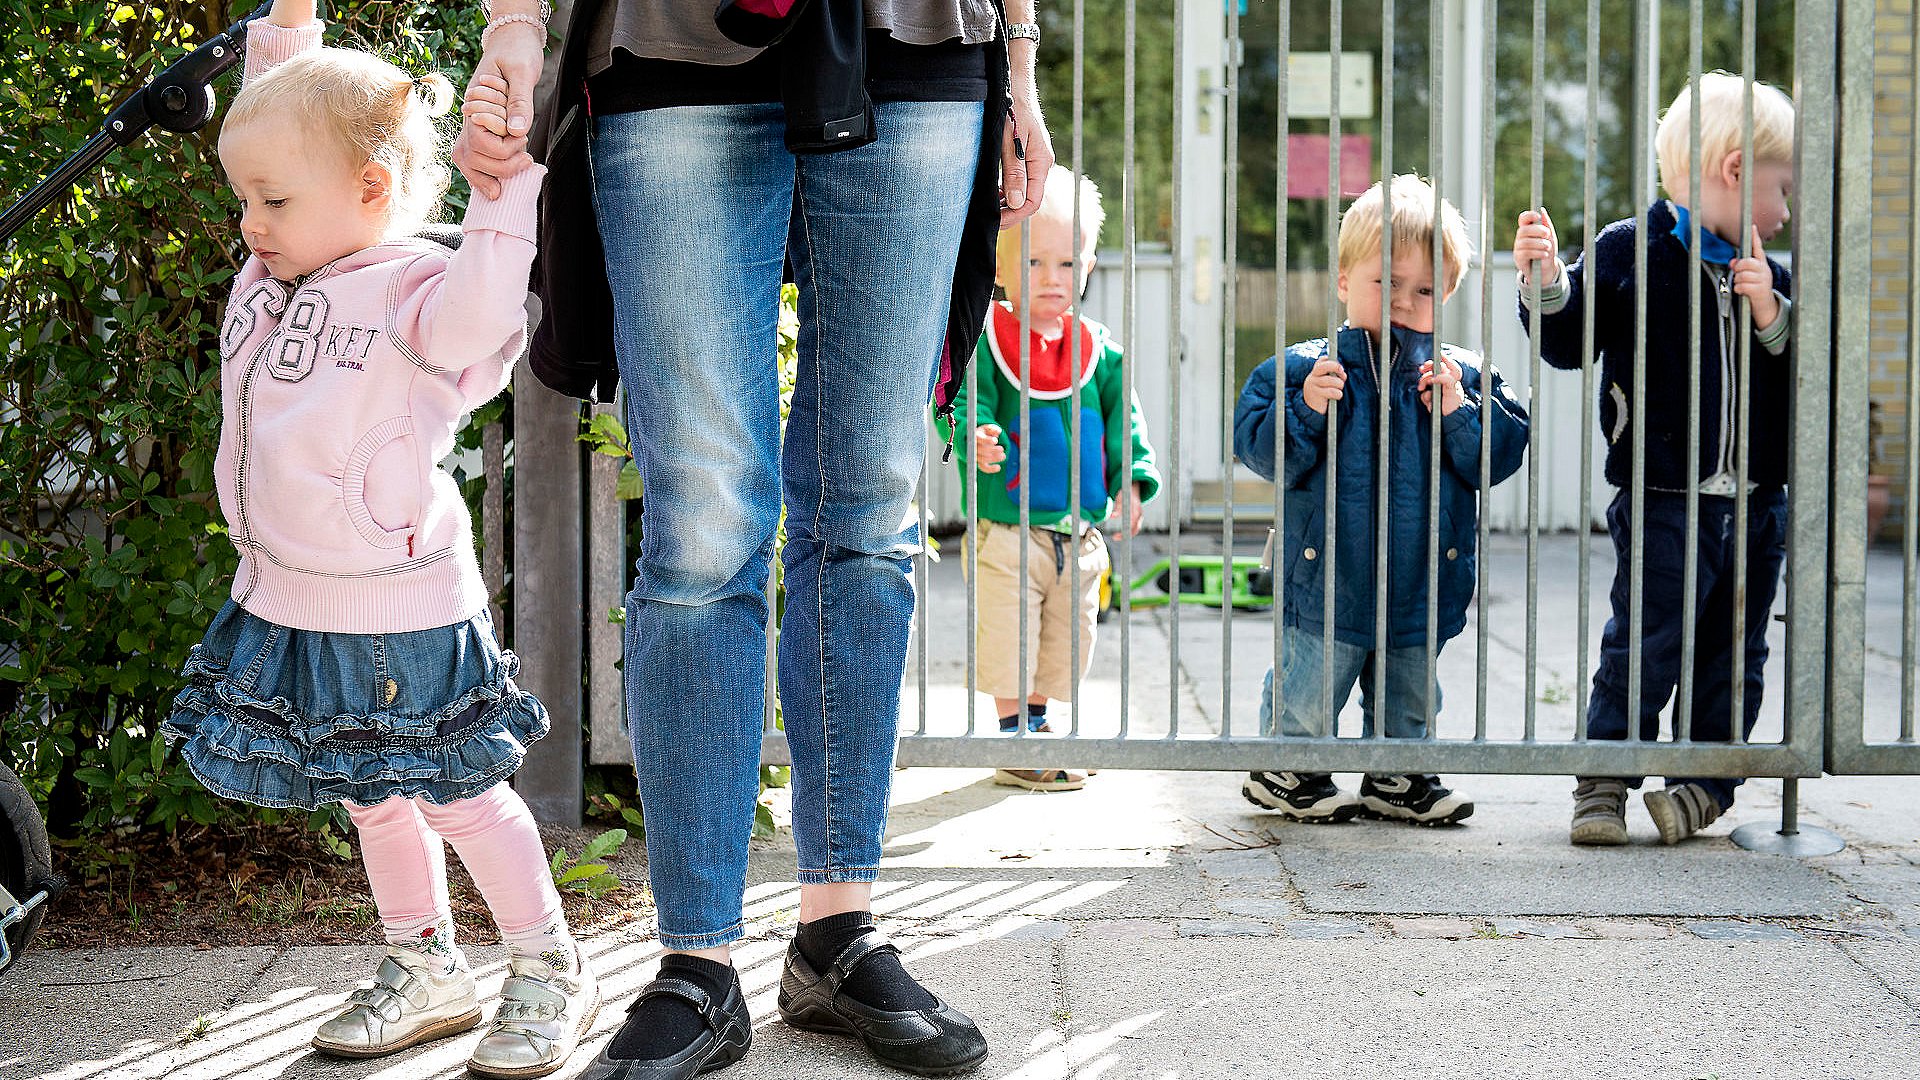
{"points": [[1514, 97]]}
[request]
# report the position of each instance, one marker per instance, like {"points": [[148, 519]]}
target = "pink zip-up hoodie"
{"points": [[342, 391]]}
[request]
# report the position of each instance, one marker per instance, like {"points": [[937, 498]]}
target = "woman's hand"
{"points": [[489, 148], [1026, 150], [292, 13]]}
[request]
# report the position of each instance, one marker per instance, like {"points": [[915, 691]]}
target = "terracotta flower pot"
{"points": [[1879, 501]]}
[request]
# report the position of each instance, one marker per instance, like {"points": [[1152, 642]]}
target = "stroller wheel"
{"points": [[26, 860]]}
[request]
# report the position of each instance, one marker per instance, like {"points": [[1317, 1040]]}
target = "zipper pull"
{"points": [[409, 545]]}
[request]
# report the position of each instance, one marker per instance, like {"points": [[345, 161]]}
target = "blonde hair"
{"points": [[367, 110], [1056, 203], [1723, 112], [1413, 227]]}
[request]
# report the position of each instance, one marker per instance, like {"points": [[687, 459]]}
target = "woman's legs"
{"points": [[873, 240], [693, 205]]}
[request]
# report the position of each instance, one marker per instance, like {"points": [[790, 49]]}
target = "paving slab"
{"points": [[121, 1013], [1708, 879], [1488, 1009], [1895, 962]]}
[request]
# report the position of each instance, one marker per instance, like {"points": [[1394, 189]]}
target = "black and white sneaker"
{"points": [[1301, 796], [1419, 798]]}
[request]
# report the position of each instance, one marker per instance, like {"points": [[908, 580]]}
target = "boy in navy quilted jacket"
{"points": [[1686, 804], [1285, 412]]}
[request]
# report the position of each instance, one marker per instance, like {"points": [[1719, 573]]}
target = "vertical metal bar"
{"points": [[1435, 113], [1074, 344], [1690, 543], [1489, 54], [1536, 173], [1910, 512], [1025, 686], [1637, 497], [1177, 360], [1284, 17], [1831, 177], [1743, 320], [1383, 452], [1843, 394], [970, 543], [1331, 454], [1129, 325], [1230, 251], [920, 592], [1590, 211]]}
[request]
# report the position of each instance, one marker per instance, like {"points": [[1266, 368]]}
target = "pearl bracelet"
{"points": [[499, 21]]}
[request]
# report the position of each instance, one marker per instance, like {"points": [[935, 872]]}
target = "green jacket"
{"points": [[1113, 434]]}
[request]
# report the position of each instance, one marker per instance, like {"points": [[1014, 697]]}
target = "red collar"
{"points": [[1047, 360]]}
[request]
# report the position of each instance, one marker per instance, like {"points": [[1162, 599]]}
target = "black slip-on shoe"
{"points": [[937, 1041], [728, 1033]]}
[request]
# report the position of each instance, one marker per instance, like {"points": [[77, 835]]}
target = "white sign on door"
{"points": [[1310, 85]]}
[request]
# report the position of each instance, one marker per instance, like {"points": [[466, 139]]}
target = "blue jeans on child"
{"points": [[1661, 591], [699, 208], [1304, 711]]}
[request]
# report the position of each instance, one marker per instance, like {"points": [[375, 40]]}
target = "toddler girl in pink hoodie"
{"points": [[355, 662]]}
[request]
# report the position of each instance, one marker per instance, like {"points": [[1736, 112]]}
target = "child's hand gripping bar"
{"points": [[179, 99]]}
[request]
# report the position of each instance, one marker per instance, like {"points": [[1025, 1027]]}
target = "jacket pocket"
{"points": [[381, 484]]}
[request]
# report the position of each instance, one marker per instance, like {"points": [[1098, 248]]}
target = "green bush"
{"points": [[113, 556]]}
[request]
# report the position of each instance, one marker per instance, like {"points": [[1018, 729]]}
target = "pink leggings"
{"points": [[495, 837]]}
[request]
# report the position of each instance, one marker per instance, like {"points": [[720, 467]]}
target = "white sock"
{"points": [[429, 937], [549, 943]]}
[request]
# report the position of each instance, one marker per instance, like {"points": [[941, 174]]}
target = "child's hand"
{"points": [[1451, 394], [1534, 242], [1127, 509], [1325, 383], [1753, 279], [486, 103], [987, 451]]}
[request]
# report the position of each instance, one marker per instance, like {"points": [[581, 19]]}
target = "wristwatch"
{"points": [[546, 10], [1030, 31]]}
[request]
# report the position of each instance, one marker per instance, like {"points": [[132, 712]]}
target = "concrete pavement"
{"points": [[1155, 925]]}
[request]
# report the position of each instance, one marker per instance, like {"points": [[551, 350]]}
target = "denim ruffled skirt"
{"points": [[302, 718]]}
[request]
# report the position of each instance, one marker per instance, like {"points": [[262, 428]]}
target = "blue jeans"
{"points": [[1661, 591], [698, 209], [1303, 709]]}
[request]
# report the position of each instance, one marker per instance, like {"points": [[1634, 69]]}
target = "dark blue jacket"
{"points": [[1611, 276], [1299, 558]]}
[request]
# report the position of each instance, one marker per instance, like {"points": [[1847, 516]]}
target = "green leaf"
{"points": [[581, 872], [559, 860], [603, 845], [629, 484]]}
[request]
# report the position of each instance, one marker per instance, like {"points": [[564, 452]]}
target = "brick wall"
{"points": [[1893, 207]]}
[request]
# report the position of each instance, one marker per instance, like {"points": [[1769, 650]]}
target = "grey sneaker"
{"points": [[542, 1015], [1681, 811], [409, 1002], [1599, 811]]}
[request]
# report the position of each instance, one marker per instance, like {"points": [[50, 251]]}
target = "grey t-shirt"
{"points": [[683, 29]]}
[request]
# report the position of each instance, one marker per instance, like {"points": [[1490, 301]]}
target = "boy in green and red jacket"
{"points": [[1117, 472]]}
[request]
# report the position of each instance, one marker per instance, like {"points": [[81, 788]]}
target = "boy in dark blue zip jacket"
{"points": [[1352, 380], [1686, 805]]}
